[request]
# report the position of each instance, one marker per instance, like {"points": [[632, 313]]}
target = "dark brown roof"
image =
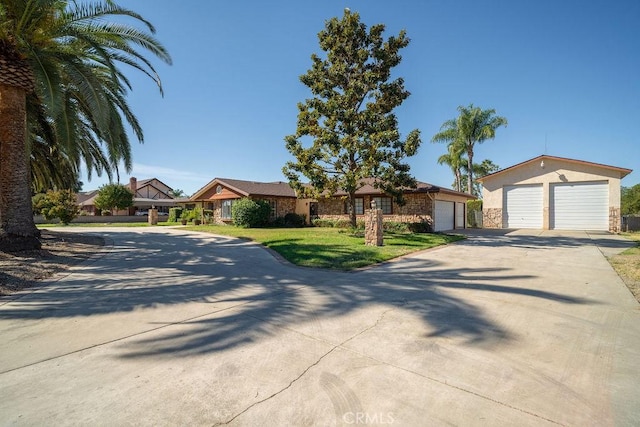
{"points": [[423, 187], [623, 171], [283, 189], [85, 195], [250, 188]]}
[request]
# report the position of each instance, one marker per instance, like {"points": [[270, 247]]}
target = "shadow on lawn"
{"points": [[248, 292]]}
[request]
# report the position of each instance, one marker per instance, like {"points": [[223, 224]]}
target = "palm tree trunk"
{"points": [[17, 228], [470, 169]]}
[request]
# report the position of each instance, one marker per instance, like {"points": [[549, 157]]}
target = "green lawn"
{"points": [[330, 247]]}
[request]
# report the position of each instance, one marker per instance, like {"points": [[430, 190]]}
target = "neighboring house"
{"points": [[148, 193], [549, 192], [441, 208], [220, 193]]}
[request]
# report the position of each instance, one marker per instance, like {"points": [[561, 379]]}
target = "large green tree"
{"points": [[114, 196], [347, 130], [63, 99], [472, 126], [630, 200]]}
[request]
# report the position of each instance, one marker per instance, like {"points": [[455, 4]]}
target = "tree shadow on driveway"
{"points": [[250, 292]]}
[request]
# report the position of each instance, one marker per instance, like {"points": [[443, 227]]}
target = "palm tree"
{"points": [[479, 170], [62, 98], [455, 161], [473, 125]]}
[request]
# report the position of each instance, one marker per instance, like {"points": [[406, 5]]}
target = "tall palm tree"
{"points": [[479, 170], [62, 97], [453, 158], [473, 125]]}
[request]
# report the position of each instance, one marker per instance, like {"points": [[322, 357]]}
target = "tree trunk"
{"points": [[17, 228], [352, 210], [470, 168]]}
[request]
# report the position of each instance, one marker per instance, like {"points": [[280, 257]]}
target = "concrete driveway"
{"points": [[166, 327]]}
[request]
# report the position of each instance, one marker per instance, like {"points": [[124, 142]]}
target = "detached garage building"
{"points": [[553, 193]]}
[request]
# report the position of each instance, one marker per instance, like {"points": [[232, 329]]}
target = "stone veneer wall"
{"points": [[418, 208], [492, 218], [615, 221]]}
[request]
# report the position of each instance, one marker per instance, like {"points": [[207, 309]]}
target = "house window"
{"points": [[210, 206], [359, 206], [383, 203], [226, 209], [274, 208]]}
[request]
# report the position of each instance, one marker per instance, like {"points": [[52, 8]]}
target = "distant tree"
{"points": [[455, 161], [177, 194], [114, 196], [349, 121], [473, 126], [479, 170], [630, 200], [61, 204]]}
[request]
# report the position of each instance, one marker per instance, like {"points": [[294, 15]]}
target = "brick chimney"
{"points": [[133, 185]]}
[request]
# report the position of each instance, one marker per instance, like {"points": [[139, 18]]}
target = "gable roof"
{"points": [[423, 187], [249, 188], [283, 189], [144, 182], [140, 184], [623, 171]]}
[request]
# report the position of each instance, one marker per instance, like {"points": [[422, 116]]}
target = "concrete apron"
{"points": [[169, 327]]}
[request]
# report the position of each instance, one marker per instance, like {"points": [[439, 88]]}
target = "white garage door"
{"points": [[523, 206], [460, 215], [580, 206], [444, 216]]}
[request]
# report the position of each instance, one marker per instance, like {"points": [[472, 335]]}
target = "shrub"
{"points": [[38, 202], [319, 222], [208, 216], [294, 220], [278, 222], [473, 206], [250, 213], [60, 204], [395, 227], [174, 214], [343, 223], [419, 227], [196, 214], [187, 215]]}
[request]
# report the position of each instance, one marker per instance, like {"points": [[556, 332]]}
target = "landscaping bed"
{"points": [[627, 265], [59, 252]]}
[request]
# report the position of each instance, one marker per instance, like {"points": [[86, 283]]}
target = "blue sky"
{"points": [[566, 75]]}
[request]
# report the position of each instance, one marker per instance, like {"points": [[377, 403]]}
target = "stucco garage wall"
{"points": [[554, 171]]}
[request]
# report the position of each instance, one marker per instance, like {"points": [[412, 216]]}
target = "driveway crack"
{"points": [[308, 368]]}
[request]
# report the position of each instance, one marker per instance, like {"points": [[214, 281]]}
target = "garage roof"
{"points": [[623, 171]]}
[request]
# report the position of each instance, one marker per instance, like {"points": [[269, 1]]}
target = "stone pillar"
{"points": [[153, 216], [373, 227]]}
